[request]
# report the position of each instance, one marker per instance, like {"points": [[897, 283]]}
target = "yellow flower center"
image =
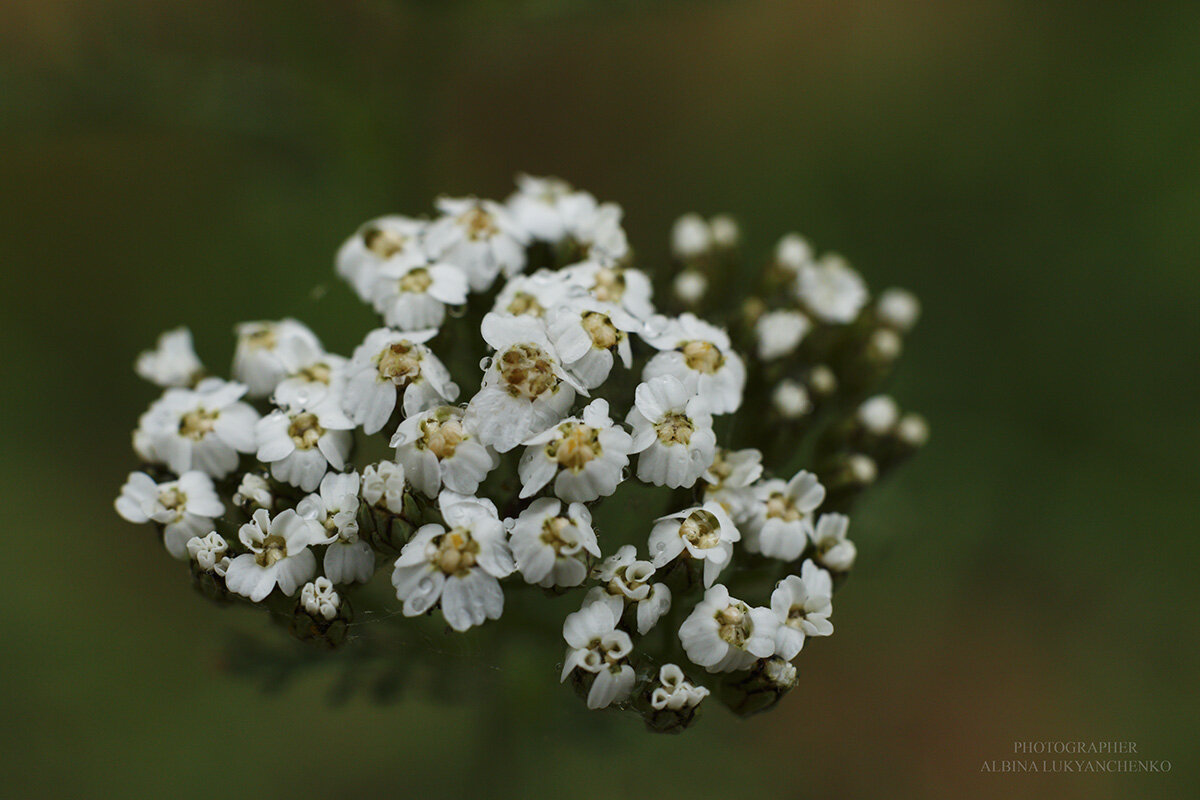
{"points": [[400, 363], [384, 244], [609, 285], [479, 224], [598, 326], [733, 624], [675, 428], [172, 499], [780, 506], [197, 424], [525, 303], [526, 371], [441, 436], [701, 529], [579, 445], [274, 549], [456, 552], [703, 357], [416, 281], [305, 431]]}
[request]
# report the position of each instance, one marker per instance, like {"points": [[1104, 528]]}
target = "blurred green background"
{"points": [[1031, 170]]}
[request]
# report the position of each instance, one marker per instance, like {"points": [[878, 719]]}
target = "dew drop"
{"points": [[485, 362], [457, 312]]}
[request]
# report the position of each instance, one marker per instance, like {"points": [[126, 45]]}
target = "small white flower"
{"points": [[253, 491], [210, 553], [479, 237], [460, 566], [831, 290], [780, 673], [705, 533], [595, 645], [585, 456], [438, 448], [320, 599], [690, 286], [536, 207], [185, 507], [793, 253], [348, 558], [594, 229], [533, 295], [268, 352], [623, 575], [313, 382], [550, 548], [525, 388], [878, 414], [834, 551], [725, 231], [390, 240], [672, 429], [780, 333], [590, 335], [729, 481], [779, 524], [701, 357], [690, 237], [723, 634], [801, 605], [413, 295], [173, 362], [383, 486], [279, 554], [790, 399], [389, 363], [301, 445], [898, 309], [674, 691], [622, 286], [203, 428], [912, 430]]}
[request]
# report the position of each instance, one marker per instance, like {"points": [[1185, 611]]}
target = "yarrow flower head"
{"points": [[279, 484]]}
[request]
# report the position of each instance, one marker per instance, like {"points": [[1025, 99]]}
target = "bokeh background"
{"points": [[1031, 170]]}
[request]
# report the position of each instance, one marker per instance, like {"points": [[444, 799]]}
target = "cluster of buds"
{"points": [[263, 483]]}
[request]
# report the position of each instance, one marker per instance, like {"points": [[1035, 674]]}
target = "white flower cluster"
{"points": [[534, 306]]}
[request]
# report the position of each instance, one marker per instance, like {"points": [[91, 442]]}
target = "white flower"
{"points": [[320, 599], [700, 356], [898, 309], [390, 240], [388, 363], [550, 548], [173, 362], [383, 486], [596, 646], [311, 383], [348, 558], [672, 429], [831, 290], [268, 352], [723, 634], [536, 207], [780, 333], [834, 551], [301, 445], [690, 237], [586, 457], [912, 430], [203, 428], [185, 507], [801, 605], [674, 691], [878, 414], [532, 295], [210, 553], [622, 286], [438, 448], [793, 253], [590, 335], [459, 566], [525, 388], [279, 554], [413, 295], [729, 481], [254, 490], [705, 533], [778, 526], [690, 286], [623, 575], [725, 231], [594, 228], [479, 237], [790, 399]]}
